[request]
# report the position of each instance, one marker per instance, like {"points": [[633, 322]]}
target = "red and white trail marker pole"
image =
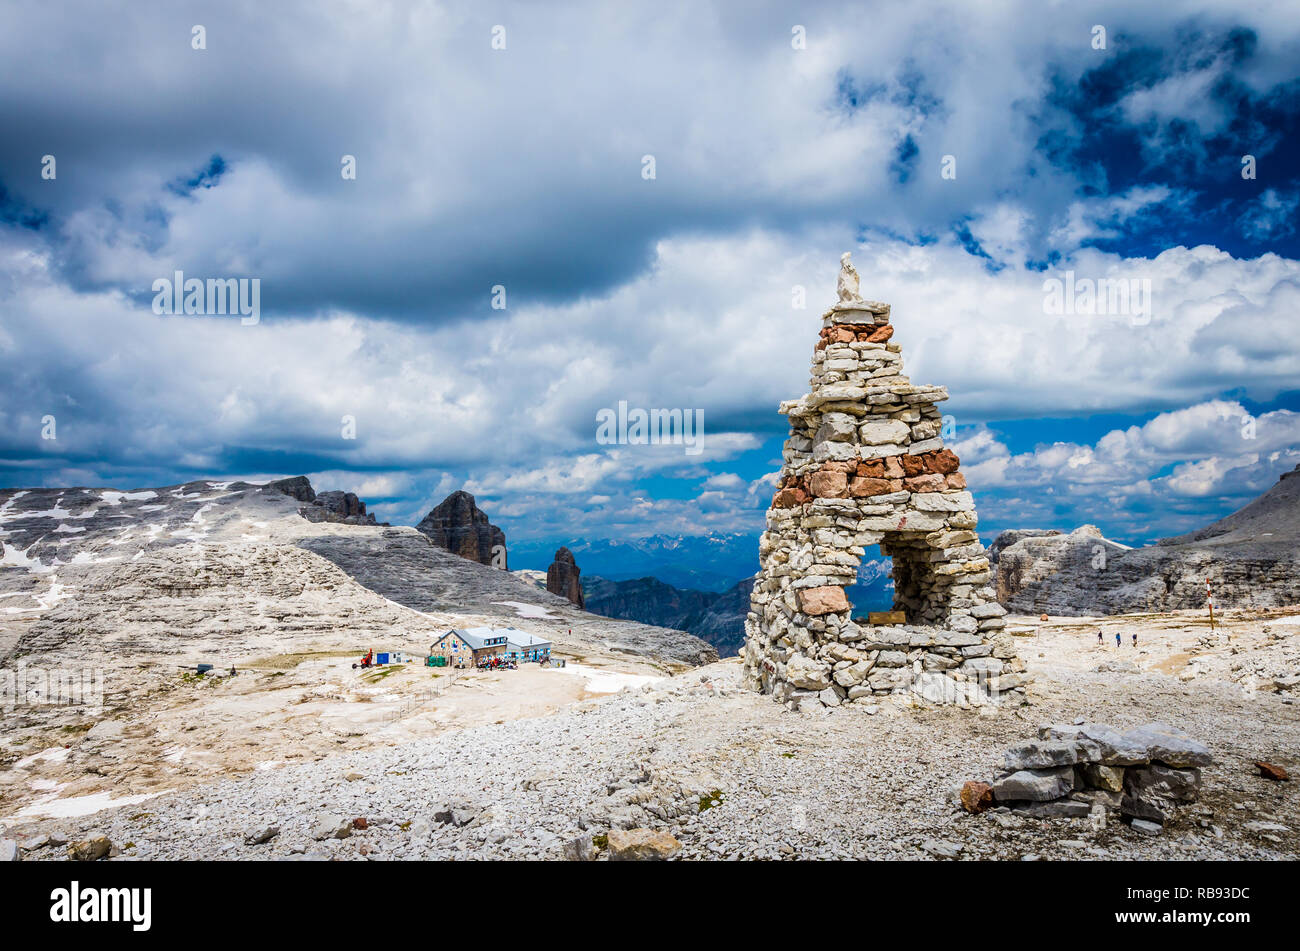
{"points": [[1209, 600]]}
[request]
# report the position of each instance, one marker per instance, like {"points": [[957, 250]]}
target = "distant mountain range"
{"points": [[697, 562], [713, 616]]}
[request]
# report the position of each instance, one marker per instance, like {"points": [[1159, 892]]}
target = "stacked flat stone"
{"points": [[1072, 771], [865, 464]]}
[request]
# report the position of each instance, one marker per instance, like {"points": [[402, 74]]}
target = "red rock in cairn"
{"points": [[930, 482], [944, 460], [864, 487], [827, 484]]}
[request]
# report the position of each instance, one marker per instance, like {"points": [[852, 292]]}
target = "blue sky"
{"points": [[524, 168]]}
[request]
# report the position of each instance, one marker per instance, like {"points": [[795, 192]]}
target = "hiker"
{"points": [[1135, 640], [1117, 641], [1098, 637]]}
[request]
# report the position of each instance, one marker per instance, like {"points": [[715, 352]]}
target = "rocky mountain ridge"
{"points": [[182, 569], [1250, 558]]}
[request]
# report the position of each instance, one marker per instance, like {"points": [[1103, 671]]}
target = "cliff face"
{"points": [[1251, 559], [563, 577], [462, 528], [332, 506]]}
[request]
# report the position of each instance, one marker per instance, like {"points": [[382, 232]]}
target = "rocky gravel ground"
{"points": [[730, 775]]}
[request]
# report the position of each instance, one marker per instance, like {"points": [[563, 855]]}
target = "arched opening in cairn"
{"points": [[916, 591], [921, 594]]}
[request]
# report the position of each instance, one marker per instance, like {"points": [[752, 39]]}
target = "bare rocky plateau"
{"points": [[278, 760]]}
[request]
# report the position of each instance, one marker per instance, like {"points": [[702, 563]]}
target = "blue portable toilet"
{"points": [[381, 659]]}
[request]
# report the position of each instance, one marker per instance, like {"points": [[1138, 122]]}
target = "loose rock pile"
{"points": [[1073, 771], [865, 464]]}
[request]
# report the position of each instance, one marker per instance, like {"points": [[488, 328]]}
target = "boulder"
{"points": [[458, 813], [887, 432], [1037, 785], [259, 836], [579, 849], [90, 850], [1153, 792], [863, 487], [836, 426], [828, 484], [1169, 745], [632, 845], [1145, 827], [1117, 749], [976, 796], [1271, 771], [331, 826], [1109, 778], [1180, 785], [945, 461], [1056, 809], [1042, 754], [942, 849]]}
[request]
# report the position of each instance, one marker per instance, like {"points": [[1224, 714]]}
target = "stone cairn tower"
{"points": [[865, 464]]}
